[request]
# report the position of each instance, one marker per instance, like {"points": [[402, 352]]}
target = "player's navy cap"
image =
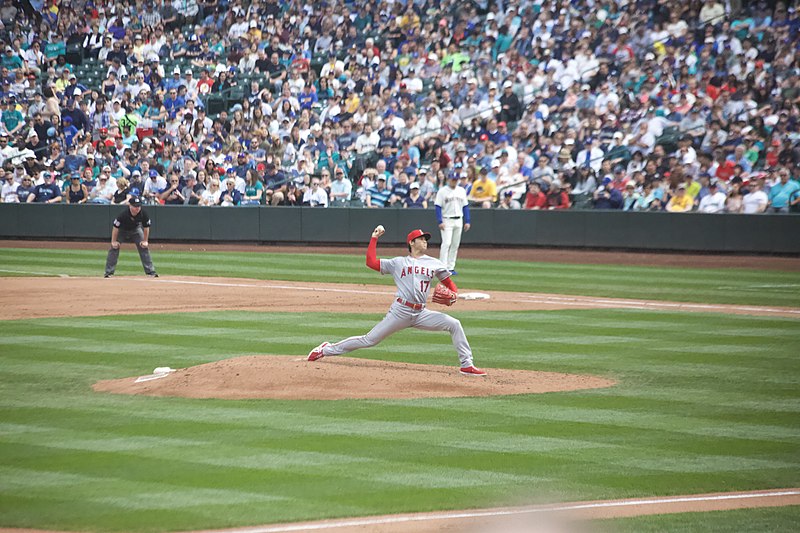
{"points": [[136, 201], [417, 233]]}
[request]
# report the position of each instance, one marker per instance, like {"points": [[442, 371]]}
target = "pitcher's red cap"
{"points": [[416, 234]]}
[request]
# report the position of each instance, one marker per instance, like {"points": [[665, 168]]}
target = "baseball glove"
{"points": [[443, 295]]}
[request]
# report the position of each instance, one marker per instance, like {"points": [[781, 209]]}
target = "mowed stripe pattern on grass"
{"points": [[690, 415], [733, 286]]}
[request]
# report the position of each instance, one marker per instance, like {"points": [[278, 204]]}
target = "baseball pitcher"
{"points": [[412, 275]]}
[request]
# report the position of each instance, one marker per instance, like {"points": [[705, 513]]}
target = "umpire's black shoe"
{"points": [[153, 275], [107, 275]]}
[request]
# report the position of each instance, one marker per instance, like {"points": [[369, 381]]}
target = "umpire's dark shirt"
{"points": [[127, 222]]}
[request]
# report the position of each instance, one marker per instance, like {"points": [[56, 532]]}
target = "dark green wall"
{"points": [[590, 229]]}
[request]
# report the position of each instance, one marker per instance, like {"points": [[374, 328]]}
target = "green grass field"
{"points": [[705, 403]]}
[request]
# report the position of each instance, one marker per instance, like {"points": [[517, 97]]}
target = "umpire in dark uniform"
{"points": [[131, 225]]}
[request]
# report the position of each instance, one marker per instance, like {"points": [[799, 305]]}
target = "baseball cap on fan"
{"points": [[416, 234]]}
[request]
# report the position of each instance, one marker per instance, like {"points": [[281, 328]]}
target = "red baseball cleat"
{"points": [[316, 353], [472, 371]]}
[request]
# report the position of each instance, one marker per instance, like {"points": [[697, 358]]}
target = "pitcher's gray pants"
{"points": [[135, 236], [401, 317]]}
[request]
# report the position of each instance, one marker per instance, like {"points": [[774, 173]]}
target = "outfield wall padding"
{"points": [[573, 228]]}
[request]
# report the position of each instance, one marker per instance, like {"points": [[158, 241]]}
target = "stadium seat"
{"points": [[215, 103]]}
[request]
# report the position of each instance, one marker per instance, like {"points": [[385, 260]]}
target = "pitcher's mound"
{"points": [[339, 378]]}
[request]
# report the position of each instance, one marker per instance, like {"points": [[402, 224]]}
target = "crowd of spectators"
{"points": [[534, 104]]}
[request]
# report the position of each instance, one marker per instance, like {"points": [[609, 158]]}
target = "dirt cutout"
{"points": [[341, 378], [43, 297]]}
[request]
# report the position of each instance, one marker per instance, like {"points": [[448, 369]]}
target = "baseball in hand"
{"points": [[379, 230]]}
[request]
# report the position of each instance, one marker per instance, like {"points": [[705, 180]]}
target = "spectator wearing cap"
{"points": [[341, 188], [190, 83], [75, 191], [12, 119], [11, 60], [616, 151], [631, 198], [243, 164], [78, 118], [35, 144], [586, 100], [427, 187], [592, 155], [415, 200], [510, 106], [714, 201], [607, 197], [153, 187], [47, 192], [73, 87], [174, 81]]}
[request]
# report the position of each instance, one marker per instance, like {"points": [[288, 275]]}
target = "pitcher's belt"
{"points": [[415, 307]]}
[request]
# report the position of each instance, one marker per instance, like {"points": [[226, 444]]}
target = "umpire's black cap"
{"points": [[136, 201]]}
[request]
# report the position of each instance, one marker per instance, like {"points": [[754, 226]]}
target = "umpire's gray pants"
{"points": [[135, 236]]}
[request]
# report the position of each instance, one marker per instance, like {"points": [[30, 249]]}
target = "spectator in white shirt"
{"points": [[315, 196], [756, 200], [368, 141], [714, 201], [591, 155]]}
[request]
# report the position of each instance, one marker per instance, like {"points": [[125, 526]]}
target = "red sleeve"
{"points": [[450, 284], [372, 255]]}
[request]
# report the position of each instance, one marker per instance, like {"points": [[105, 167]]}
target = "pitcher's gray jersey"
{"points": [[413, 276]]}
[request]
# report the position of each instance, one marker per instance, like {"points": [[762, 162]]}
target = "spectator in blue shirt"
{"points": [[378, 195], [46, 193], [783, 193], [307, 97], [70, 131], [173, 102]]}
